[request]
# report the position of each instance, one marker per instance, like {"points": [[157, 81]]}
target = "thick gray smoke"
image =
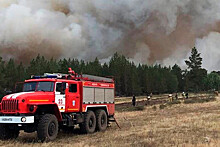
{"points": [[146, 31]]}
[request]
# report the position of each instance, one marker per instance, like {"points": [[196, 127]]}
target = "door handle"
{"points": [[77, 97]]}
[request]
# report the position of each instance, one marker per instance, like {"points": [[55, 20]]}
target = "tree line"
{"points": [[129, 78]]}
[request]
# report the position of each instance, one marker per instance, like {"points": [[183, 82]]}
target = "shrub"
{"points": [[162, 106], [174, 102], [154, 108], [191, 101], [136, 108]]}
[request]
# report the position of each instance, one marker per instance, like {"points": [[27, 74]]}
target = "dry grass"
{"points": [[179, 125], [119, 100]]}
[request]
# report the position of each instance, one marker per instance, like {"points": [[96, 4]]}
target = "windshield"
{"points": [[39, 86]]}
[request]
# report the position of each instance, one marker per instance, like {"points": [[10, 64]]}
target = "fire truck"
{"points": [[54, 102]]}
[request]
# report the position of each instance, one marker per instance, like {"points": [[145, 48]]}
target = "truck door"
{"points": [[72, 97], [60, 95]]}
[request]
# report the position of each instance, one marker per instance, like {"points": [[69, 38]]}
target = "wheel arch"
{"points": [[97, 107], [50, 109]]}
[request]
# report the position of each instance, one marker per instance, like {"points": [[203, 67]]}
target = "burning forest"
{"points": [[145, 31]]}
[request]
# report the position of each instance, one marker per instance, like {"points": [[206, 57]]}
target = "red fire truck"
{"points": [[52, 102]]}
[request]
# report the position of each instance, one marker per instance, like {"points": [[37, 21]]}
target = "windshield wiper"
{"points": [[41, 90], [28, 90]]}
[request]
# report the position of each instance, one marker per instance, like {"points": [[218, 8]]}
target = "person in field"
{"points": [[176, 96], [216, 93], [183, 95], [133, 100], [187, 95], [170, 97], [148, 98]]}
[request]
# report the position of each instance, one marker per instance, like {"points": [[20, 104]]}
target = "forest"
{"points": [[129, 77]]}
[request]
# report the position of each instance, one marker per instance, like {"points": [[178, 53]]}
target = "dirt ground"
{"points": [[177, 125]]}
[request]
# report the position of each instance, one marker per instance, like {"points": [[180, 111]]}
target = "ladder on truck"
{"points": [[74, 76]]}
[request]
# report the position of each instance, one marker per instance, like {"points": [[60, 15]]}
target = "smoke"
{"points": [[144, 30], [209, 47]]}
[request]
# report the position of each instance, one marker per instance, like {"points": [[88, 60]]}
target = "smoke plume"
{"points": [[146, 31]]}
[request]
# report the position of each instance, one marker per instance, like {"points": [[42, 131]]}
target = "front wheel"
{"points": [[47, 129], [8, 131]]}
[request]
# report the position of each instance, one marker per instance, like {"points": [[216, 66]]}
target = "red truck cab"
{"points": [[57, 101]]}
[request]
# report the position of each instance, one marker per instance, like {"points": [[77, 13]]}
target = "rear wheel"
{"points": [[89, 124], [8, 131], [102, 120], [47, 129]]}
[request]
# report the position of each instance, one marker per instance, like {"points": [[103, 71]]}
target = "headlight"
{"points": [[23, 119]]}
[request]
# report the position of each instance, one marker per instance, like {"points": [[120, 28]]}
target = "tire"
{"points": [[89, 124], [8, 131], [102, 120], [47, 129]]}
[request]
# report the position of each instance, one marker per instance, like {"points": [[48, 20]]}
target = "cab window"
{"points": [[61, 87], [73, 88], [45, 86]]}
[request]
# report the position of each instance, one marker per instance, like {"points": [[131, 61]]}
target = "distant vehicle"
{"points": [[54, 101]]}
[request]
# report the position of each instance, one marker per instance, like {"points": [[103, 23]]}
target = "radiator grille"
{"points": [[9, 105]]}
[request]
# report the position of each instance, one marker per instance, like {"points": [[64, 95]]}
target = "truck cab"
{"points": [[55, 101]]}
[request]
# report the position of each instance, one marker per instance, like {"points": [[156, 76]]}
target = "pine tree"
{"points": [[176, 70], [52, 66], [2, 78], [10, 75], [212, 81], [38, 66], [196, 74], [195, 61]]}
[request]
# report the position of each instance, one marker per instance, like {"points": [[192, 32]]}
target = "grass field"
{"points": [[196, 124]]}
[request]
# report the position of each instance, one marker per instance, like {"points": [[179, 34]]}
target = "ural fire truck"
{"points": [[52, 102]]}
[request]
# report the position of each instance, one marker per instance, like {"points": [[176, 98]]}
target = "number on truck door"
{"points": [[60, 97]]}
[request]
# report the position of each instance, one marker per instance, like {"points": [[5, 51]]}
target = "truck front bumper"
{"points": [[16, 119]]}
